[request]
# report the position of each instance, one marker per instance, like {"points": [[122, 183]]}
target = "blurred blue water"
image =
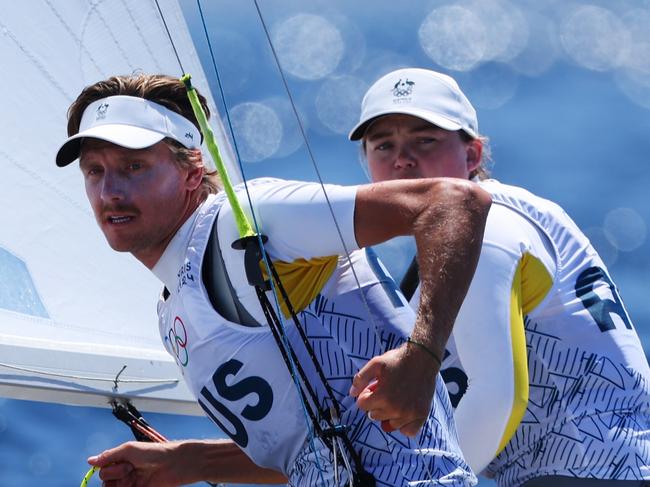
{"points": [[568, 133], [47, 444]]}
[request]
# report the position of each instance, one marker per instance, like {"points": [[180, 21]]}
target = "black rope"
{"points": [[361, 477], [271, 318], [127, 413], [305, 340]]}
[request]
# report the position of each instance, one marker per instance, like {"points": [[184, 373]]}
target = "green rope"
{"points": [[88, 475], [243, 225]]}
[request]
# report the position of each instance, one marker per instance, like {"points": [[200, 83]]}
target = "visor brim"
{"points": [[127, 136]]}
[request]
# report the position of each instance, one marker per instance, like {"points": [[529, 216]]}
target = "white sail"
{"points": [[73, 313]]}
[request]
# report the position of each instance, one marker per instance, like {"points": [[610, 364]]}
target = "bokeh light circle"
{"points": [[309, 46], [338, 101], [505, 27], [258, 131], [454, 37], [542, 48], [625, 229], [292, 138], [594, 37], [633, 78], [637, 51]]}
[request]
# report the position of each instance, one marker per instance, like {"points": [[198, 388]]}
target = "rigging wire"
{"points": [[259, 236], [291, 356], [277, 290], [126, 412], [169, 35], [308, 423], [309, 149], [320, 179]]}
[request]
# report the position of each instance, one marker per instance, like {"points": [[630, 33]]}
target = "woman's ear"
{"points": [[474, 153]]}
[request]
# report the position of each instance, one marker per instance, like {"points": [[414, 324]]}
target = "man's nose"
{"points": [[112, 187]]}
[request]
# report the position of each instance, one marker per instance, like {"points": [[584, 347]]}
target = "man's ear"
{"points": [[474, 153], [195, 175]]}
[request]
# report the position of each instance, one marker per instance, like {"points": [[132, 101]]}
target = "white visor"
{"points": [[131, 122]]}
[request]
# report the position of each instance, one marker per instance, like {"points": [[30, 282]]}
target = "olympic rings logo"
{"points": [[178, 339]]}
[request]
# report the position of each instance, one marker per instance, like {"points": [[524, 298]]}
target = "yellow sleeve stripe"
{"points": [[303, 279], [530, 285], [535, 282]]}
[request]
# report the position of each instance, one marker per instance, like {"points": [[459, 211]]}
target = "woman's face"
{"points": [[406, 147]]}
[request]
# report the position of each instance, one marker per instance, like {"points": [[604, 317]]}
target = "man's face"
{"points": [[406, 147], [139, 197]]}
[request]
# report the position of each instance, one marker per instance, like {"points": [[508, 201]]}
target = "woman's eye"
{"points": [[384, 146]]}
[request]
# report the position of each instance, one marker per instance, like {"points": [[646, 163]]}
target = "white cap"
{"points": [[423, 93], [131, 122]]}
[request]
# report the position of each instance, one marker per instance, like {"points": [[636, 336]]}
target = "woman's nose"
{"points": [[405, 158]]}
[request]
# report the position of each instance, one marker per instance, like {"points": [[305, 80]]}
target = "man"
{"points": [[548, 376], [137, 141]]}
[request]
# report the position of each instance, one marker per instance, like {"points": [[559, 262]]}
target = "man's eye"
{"points": [[134, 166], [426, 140]]}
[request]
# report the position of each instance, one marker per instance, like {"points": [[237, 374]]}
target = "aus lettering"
{"points": [[232, 392], [601, 310]]}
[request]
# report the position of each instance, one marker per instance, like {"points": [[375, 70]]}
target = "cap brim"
{"points": [[127, 136], [439, 121]]}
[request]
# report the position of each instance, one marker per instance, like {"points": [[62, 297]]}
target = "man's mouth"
{"points": [[117, 220]]}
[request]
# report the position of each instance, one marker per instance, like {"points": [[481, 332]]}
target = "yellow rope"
{"points": [[88, 475]]}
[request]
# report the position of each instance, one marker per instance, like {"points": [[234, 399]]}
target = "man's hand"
{"points": [[176, 463], [396, 388], [136, 464]]}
